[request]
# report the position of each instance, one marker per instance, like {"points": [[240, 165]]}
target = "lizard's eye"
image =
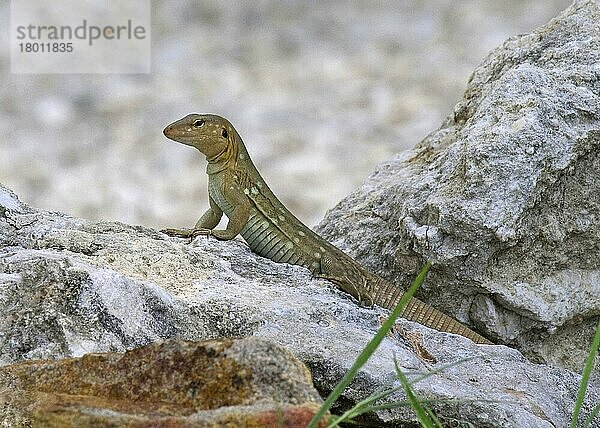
{"points": [[198, 123], [224, 133]]}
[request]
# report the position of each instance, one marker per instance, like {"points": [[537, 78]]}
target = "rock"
{"points": [[503, 197], [244, 382], [70, 287]]}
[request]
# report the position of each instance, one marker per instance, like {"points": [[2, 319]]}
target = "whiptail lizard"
{"points": [[236, 188]]}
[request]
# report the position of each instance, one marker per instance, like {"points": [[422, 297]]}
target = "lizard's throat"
{"points": [[224, 159]]}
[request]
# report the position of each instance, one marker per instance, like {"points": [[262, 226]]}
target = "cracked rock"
{"points": [[503, 197]]}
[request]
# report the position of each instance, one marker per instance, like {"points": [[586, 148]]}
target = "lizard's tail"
{"points": [[388, 296]]}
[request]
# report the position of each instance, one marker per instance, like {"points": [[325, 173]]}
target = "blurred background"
{"points": [[321, 92]]}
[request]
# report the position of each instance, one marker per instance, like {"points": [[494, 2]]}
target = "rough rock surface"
{"points": [[245, 382], [70, 287], [503, 197]]}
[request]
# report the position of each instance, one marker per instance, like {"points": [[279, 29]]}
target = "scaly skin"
{"points": [[237, 189]]}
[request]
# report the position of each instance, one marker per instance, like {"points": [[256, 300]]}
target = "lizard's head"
{"points": [[209, 133]]}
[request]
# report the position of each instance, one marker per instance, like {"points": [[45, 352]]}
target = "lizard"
{"points": [[237, 189]]}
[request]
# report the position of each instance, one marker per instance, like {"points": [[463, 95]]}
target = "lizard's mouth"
{"points": [[181, 136]]}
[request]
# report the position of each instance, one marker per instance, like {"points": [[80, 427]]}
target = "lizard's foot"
{"points": [[363, 299], [180, 233], [413, 337]]}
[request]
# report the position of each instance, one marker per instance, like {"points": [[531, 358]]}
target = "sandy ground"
{"points": [[320, 91]]}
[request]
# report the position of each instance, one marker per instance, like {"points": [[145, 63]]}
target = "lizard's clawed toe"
{"points": [[178, 233]]}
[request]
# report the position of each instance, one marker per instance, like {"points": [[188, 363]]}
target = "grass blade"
{"points": [[363, 406], [425, 416], [440, 369], [369, 349], [585, 377], [592, 416]]}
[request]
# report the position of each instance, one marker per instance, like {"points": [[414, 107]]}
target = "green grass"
{"points": [[370, 348], [425, 416], [367, 405], [585, 378]]}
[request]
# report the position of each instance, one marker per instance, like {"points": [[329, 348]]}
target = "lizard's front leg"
{"points": [[237, 221], [237, 218], [208, 221]]}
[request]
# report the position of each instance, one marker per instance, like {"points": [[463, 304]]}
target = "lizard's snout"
{"points": [[179, 133], [172, 133]]}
